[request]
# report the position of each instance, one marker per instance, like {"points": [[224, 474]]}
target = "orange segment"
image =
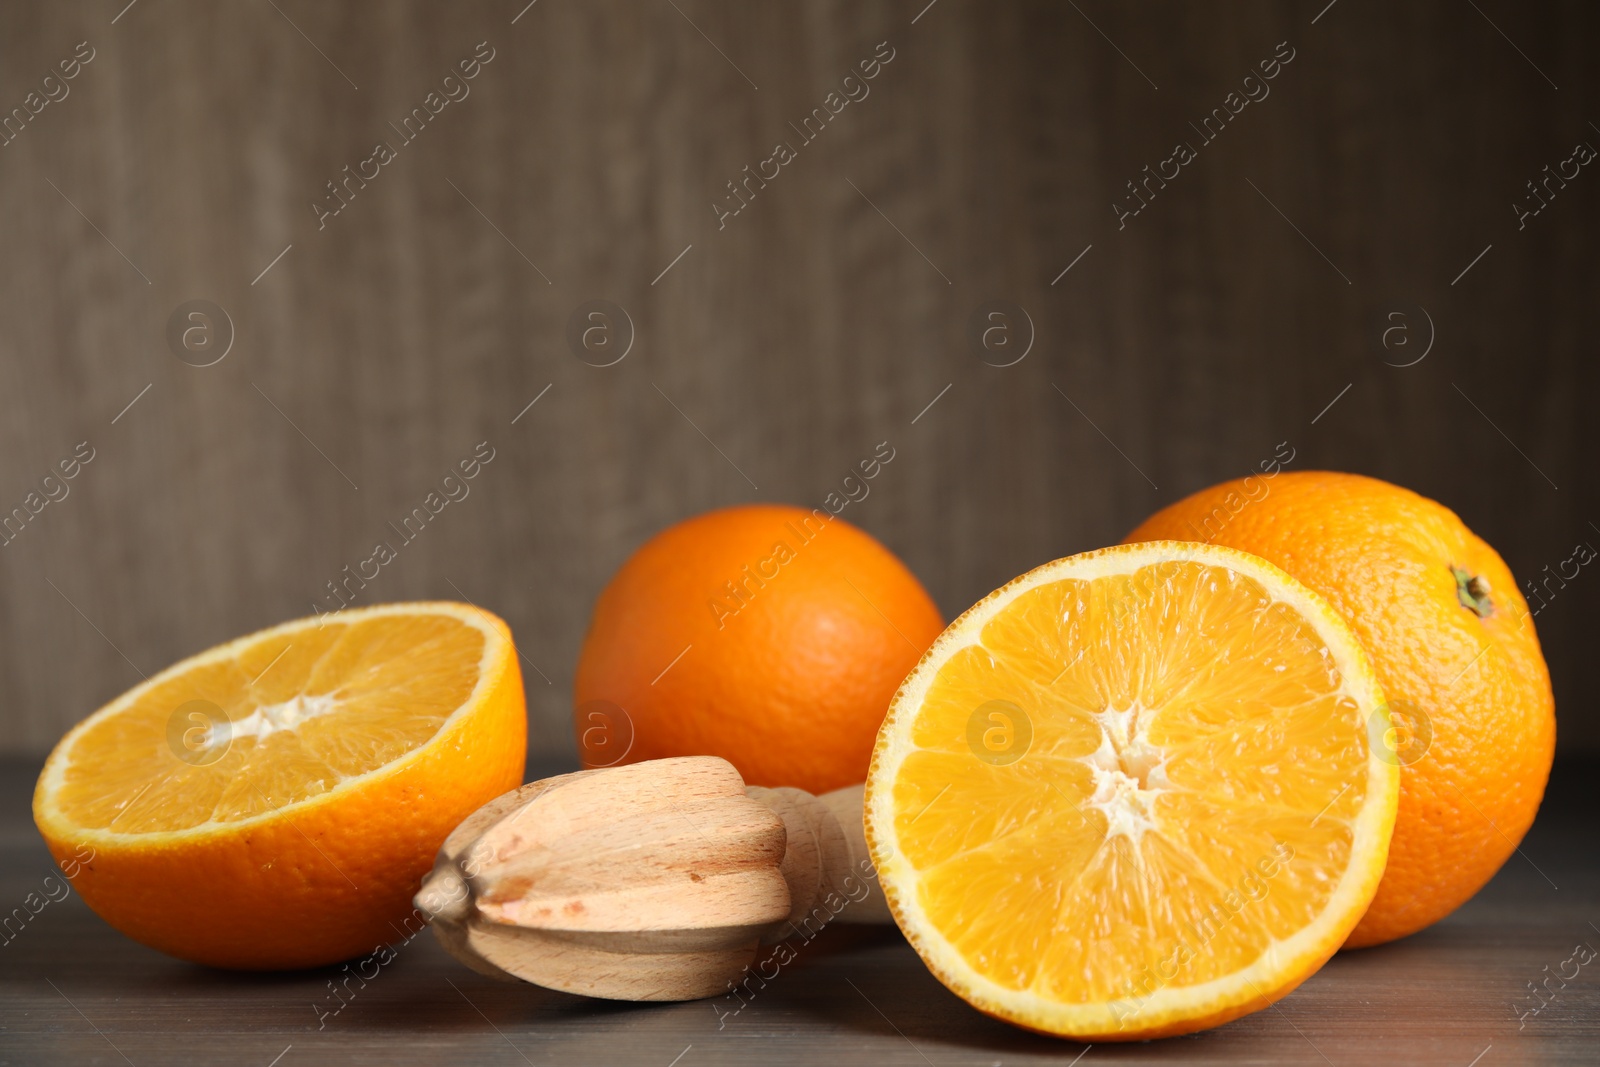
{"points": [[304, 775], [1134, 793]]}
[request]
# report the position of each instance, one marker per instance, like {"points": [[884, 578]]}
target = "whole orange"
{"points": [[769, 635], [1471, 715]]}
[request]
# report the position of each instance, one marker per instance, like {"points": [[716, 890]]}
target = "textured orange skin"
{"points": [[1382, 555], [790, 689], [331, 880]]}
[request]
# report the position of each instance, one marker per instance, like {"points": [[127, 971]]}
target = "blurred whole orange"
{"points": [[772, 636], [1471, 715]]}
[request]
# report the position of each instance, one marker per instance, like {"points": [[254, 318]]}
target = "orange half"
{"points": [[274, 801], [1133, 793]]}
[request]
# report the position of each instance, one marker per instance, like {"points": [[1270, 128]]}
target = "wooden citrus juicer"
{"points": [[655, 881]]}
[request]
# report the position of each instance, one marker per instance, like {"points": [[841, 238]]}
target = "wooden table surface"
{"points": [[74, 991]]}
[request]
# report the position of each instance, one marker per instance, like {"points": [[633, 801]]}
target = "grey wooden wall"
{"points": [[373, 349]]}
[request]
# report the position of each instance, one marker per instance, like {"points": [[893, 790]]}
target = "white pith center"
{"points": [[270, 718], [1129, 772]]}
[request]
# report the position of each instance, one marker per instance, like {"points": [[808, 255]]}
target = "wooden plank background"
{"points": [[1182, 347]]}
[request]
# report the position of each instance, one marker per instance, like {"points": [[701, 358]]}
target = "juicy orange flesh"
{"points": [[1187, 796], [306, 710]]}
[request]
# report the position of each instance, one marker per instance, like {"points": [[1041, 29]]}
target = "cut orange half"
{"points": [[1133, 793], [273, 802]]}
